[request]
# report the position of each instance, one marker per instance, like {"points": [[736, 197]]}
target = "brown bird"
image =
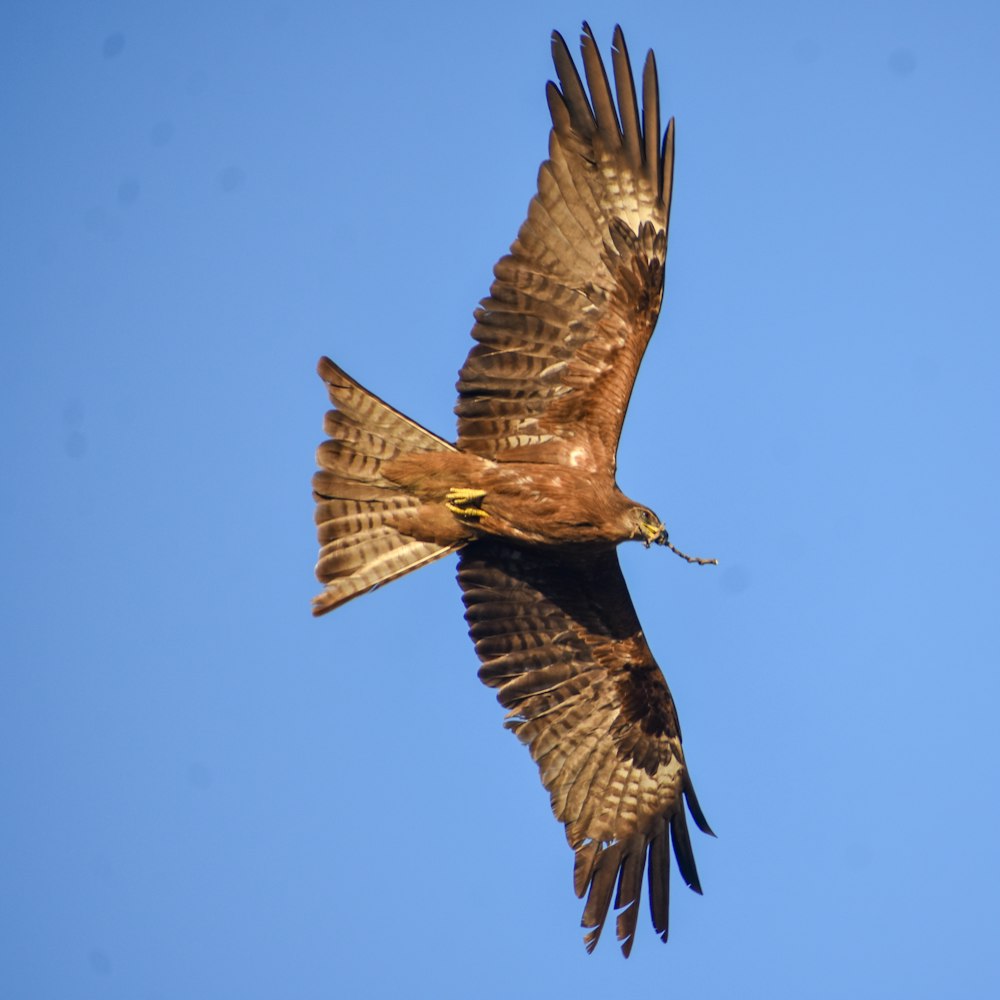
{"points": [[527, 495]]}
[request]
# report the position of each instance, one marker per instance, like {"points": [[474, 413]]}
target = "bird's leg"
{"points": [[461, 497], [465, 503]]}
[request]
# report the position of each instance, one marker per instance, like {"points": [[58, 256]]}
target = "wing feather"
{"points": [[580, 112], [659, 878], [628, 105], [559, 640], [578, 295], [597, 83], [651, 117], [630, 891]]}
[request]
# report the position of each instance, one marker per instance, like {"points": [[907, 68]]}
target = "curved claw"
{"points": [[465, 503]]}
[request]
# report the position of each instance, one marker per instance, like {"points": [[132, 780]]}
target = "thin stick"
{"points": [[691, 559]]}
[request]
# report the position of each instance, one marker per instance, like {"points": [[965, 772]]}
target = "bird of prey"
{"points": [[527, 494]]}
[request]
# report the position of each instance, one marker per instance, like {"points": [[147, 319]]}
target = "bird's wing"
{"points": [[560, 641], [573, 305]]}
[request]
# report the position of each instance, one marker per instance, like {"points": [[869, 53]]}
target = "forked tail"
{"points": [[355, 505]]}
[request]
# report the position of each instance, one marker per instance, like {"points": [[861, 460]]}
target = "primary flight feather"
{"points": [[527, 495]]}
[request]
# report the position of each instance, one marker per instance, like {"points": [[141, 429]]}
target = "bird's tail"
{"points": [[355, 505]]}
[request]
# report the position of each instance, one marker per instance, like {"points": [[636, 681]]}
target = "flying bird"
{"points": [[527, 494]]}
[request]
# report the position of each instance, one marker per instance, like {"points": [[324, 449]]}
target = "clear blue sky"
{"points": [[208, 794]]}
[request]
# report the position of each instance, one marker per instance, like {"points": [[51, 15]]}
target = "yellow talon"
{"points": [[465, 503], [474, 512], [462, 497]]}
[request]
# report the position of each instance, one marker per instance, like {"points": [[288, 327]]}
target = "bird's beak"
{"points": [[657, 535]]}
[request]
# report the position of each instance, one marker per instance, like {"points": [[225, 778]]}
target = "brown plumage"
{"points": [[528, 495]]}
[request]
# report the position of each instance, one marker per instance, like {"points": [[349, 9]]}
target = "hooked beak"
{"points": [[657, 535]]}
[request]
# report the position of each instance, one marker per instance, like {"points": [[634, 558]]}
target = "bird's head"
{"points": [[648, 528]]}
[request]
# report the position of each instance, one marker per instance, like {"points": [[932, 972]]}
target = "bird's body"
{"points": [[565, 506], [527, 494]]}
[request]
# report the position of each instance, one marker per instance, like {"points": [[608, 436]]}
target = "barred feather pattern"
{"points": [[356, 506], [559, 639], [573, 305], [559, 340]]}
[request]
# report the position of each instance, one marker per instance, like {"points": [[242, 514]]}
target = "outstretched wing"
{"points": [[559, 638], [563, 330]]}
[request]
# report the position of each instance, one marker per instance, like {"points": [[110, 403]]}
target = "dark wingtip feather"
{"points": [[683, 851], [694, 807], [557, 44], [628, 107], [629, 895], [651, 118], [618, 39], [604, 875], [658, 872], [583, 866], [667, 160], [600, 87], [572, 87], [557, 107]]}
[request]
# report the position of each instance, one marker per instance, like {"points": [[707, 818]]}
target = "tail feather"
{"points": [[368, 413], [326, 484], [343, 520], [361, 548], [340, 458], [342, 429]]}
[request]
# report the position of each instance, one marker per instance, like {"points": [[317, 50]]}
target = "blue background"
{"points": [[207, 794]]}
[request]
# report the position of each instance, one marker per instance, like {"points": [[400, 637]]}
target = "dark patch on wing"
{"points": [[573, 305], [560, 641]]}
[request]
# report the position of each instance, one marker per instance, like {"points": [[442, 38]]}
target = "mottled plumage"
{"points": [[528, 496]]}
